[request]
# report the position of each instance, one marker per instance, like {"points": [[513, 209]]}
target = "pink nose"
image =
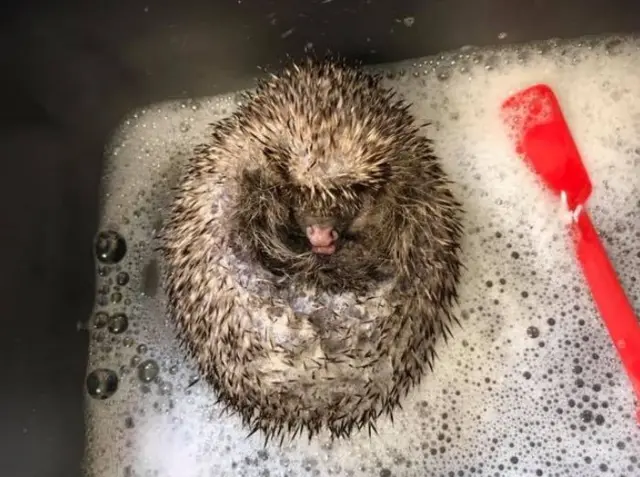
{"points": [[321, 236]]}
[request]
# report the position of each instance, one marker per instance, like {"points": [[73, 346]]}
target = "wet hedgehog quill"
{"points": [[312, 253]]}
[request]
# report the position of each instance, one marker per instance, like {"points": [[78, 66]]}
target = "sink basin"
{"points": [[83, 79]]}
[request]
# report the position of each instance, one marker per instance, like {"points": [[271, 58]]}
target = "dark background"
{"points": [[70, 70]]}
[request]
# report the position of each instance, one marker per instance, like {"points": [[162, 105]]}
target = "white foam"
{"points": [[494, 414]]}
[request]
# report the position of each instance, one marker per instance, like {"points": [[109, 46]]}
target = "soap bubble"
{"points": [[148, 370], [110, 247], [102, 383]]}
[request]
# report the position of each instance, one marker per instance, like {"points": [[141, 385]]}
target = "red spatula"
{"points": [[542, 137]]}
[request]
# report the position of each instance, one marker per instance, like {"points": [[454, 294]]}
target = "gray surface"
{"points": [[70, 72]]}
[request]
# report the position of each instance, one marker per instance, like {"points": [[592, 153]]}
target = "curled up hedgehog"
{"points": [[312, 253]]}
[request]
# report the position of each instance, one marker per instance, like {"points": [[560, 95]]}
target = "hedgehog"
{"points": [[312, 253]]}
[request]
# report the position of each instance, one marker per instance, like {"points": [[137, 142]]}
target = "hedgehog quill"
{"points": [[311, 253]]}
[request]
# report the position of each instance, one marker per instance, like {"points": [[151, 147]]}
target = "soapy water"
{"points": [[530, 384]]}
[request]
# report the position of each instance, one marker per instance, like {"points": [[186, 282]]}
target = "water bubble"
{"points": [[443, 73], [586, 416], [142, 349], [148, 370], [110, 247], [116, 297], [409, 21], [122, 278], [166, 388], [106, 348], [533, 332], [173, 369], [104, 271], [100, 319], [102, 383], [118, 323], [135, 360]]}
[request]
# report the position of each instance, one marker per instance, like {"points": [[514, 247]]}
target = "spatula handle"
{"points": [[611, 301]]}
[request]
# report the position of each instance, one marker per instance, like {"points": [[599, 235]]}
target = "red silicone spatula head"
{"points": [[542, 136]]}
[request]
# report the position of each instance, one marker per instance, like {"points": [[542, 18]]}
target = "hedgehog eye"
{"points": [[359, 221], [359, 188], [363, 210]]}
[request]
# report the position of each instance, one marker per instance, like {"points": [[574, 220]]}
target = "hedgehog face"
{"points": [[322, 158], [305, 220], [330, 218], [332, 236]]}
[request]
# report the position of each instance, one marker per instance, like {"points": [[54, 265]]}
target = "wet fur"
{"points": [[318, 139]]}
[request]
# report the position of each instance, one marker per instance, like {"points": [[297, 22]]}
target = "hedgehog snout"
{"points": [[322, 238]]}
